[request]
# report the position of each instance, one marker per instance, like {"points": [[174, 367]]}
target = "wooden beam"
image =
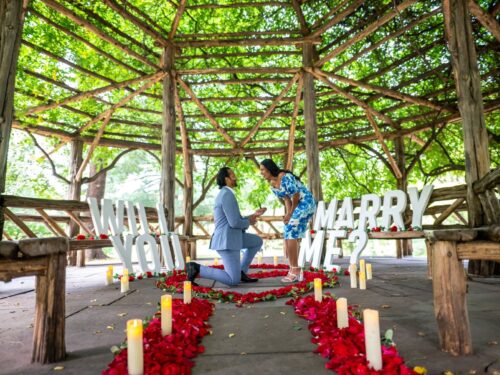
{"points": [[386, 91], [300, 16], [367, 31], [385, 39], [240, 81], [271, 108], [291, 133], [51, 223], [105, 116], [338, 18], [177, 19], [479, 250], [13, 217], [217, 71], [444, 215], [239, 5], [144, 26], [86, 42], [378, 134], [330, 13], [352, 98], [91, 93], [237, 54], [248, 42], [207, 114], [188, 173], [79, 223], [486, 19], [94, 29]]}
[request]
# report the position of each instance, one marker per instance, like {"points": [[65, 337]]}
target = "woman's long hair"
{"points": [[271, 166]]}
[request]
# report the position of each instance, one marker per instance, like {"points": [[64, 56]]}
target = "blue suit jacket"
{"points": [[229, 224]]}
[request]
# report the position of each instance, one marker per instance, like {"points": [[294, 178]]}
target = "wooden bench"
{"points": [[448, 249]]}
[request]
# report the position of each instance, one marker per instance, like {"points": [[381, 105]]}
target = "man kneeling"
{"points": [[229, 237]]}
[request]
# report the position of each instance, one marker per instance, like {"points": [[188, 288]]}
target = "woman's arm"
{"points": [[290, 206]]}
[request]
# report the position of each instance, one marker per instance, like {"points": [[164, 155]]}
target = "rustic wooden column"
{"points": [[12, 14], [188, 206], [311, 130], [470, 104], [167, 188], [450, 305], [49, 327], [74, 192]]}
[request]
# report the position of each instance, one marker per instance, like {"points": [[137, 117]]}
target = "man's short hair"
{"points": [[221, 176]]}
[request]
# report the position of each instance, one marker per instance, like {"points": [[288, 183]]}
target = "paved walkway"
{"points": [[268, 337]]}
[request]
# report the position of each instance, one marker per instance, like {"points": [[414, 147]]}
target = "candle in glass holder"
{"points": [[187, 291], [362, 265], [362, 280], [124, 282], [372, 339], [188, 259], [342, 315], [318, 289], [369, 275], [216, 261], [135, 356], [352, 272], [275, 260], [166, 314]]}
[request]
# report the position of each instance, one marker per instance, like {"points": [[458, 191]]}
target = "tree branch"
{"points": [[54, 171], [87, 180], [338, 151]]}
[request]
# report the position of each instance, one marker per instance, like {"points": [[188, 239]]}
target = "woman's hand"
{"points": [[287, 218], [260, 211]]}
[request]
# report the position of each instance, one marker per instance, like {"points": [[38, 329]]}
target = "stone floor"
{"points": [[268, 337]]}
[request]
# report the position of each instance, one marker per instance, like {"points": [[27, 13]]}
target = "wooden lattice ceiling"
{"points": [[92, 70]]}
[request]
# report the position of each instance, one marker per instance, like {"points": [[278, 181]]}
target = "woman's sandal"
{"points": [[291, 277]]}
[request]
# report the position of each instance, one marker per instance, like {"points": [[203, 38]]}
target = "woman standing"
{"points": [[299, 208]]}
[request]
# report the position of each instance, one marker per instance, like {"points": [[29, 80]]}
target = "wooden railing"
{"points": [[57, 214]]}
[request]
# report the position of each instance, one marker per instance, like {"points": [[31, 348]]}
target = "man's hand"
{"points": [[252, 219]]}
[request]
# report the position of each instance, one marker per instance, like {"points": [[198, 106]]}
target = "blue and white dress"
{"points": [[296, 227]]}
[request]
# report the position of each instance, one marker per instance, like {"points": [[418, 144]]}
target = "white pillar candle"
{"points": [[362, 265], [166, 314], [372, 339], [135, 356], [187, 291], [259, 259], [216, 261], [362, 280], [369, 275], [188, 259], [275, 260], [318, 289], [124, 282], [342, 315], [352, 272]]}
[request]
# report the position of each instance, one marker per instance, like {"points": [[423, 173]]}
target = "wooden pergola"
{"points": [[251, 78]]}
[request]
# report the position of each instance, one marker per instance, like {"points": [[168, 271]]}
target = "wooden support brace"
{"points": [[449, 211], [13, 217], [450, 306]]}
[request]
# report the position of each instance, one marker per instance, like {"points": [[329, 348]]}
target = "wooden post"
{"points": [[402, 248], [470, 104], [74, 192], [450, 305], [12, 14], [167, 190], [188, 205], [311, 131], [48, 335]]}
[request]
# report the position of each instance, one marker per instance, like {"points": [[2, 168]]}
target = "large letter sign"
{"points": [[109, 220], [334, 221]]}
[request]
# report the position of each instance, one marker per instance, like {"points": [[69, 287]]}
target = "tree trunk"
{"points": [[188, 207], [311, 128], [12, 14], [470, 104], [167, 190], [403, 247], [96, 189]]}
